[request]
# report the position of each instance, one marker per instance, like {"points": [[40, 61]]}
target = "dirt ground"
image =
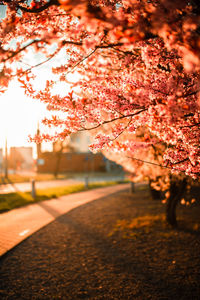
{"points": [[118, 247]]}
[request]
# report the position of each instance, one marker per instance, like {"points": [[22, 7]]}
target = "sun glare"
{"points": [[19, 116]]}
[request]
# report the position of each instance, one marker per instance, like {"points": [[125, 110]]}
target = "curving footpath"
{"points": [[18, 224]]}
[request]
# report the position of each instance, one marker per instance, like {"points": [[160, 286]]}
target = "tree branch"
{"points": [[39, 9], [114, 119], [158, 165], [190, 126], [181, 161], [14, 53], [127, 125], [189, 94], [92, 52], [39, 64]]}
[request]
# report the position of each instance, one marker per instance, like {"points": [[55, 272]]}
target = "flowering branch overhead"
{"points": [[135, 61]]}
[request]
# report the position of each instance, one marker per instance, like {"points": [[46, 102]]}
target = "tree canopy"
{"points": [[138, 67]]}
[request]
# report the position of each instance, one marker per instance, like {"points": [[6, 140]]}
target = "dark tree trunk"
{"points": [[177, 189], [58, 159], [155, 194], [57, 166]]}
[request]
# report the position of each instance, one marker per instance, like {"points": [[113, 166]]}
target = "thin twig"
{"points": [[155, 164], [114, 119]]}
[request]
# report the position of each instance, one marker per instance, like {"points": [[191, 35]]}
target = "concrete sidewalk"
{"points": [[18, 224]]}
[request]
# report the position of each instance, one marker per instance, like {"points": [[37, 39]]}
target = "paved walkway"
{"points": [[18, 224]]}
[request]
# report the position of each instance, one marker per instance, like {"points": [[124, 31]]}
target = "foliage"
{"points": [[138, 65]]}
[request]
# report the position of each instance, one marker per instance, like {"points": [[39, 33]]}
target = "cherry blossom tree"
{"points": [[138, 64], [146, 163]]}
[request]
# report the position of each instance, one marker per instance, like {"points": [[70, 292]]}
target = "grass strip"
{"points": [[19, 199], [18, 178]]}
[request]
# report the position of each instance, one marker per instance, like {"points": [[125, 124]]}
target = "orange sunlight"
{"points": [[19, 116]]}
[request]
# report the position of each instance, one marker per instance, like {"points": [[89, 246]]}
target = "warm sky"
{"points": [[19, 116]]}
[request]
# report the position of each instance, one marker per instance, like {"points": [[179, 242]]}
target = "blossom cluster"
{"points": [[138, 64]]}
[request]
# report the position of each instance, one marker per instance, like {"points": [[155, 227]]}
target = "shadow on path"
{"points": [[52, 211], [74, 258]]}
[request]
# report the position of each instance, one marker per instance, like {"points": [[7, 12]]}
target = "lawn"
{"points": [[18, 199], [18, 178]]}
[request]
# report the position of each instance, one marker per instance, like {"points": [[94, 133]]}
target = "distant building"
{"points": [[80, 141], [77, 143], [21, 158], [72, 155], [52, 162]]}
